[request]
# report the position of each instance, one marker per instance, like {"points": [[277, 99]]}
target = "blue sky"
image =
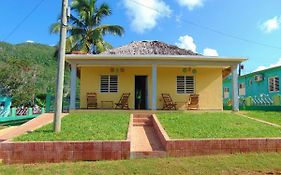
{"points": [[171, 21]]}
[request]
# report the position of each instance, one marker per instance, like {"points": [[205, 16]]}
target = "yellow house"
{"points": [[146, 69]]}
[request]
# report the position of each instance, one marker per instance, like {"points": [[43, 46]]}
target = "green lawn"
{"points": [[2, 127], [84, 126], [184, 125], [266, 163], [273, 117]]}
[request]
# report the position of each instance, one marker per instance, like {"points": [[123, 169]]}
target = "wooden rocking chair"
{"points": [[168, 102], [193, 102], [123, 102], [92, 100]]}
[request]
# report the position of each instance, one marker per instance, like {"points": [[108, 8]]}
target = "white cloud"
{"points": [[271, 24], [260, 68], [278, 63], [146, 13], [191, 4], [186, 42], [29, 41], [210, 52]]}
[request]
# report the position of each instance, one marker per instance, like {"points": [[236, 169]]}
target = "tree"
{"points": [[19, 81], [85, 28]]}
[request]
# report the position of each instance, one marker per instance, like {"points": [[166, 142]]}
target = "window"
{"points": [[226, 92], [109, 83], [273, 84], [250, 82], [242, 89], [185, 84]]}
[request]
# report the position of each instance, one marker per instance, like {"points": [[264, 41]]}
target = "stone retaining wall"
{"points": [[34, 152], [189, 147], [179, 148], [60, 151]]}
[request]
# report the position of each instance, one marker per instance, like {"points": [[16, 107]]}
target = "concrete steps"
{"points": [[148, 154], [142, 121], [145, 142]]}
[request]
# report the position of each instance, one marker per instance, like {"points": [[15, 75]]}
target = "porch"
{"points": [[110, 75]]}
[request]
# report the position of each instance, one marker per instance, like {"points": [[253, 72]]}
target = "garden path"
{"points": [[145, 142], [31, 125]]}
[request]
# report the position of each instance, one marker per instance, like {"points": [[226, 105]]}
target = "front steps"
{"points": [[145, 142]]}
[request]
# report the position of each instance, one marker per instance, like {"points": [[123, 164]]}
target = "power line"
{"points": [[214, 30], [23, 20]]}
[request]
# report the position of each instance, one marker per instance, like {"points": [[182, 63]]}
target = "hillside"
{"points": [[29, 56]]}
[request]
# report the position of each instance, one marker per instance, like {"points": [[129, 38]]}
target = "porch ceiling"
{"points": [[164, 60]]}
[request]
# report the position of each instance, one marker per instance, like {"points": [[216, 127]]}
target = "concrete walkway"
{"points": [[144, 141], [259, 120], [31, 125]]}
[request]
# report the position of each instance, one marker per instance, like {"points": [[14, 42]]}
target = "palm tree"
{"points": [[85, 31]]}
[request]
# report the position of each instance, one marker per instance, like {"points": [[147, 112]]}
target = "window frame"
{"points": [[224, 91], [109, 84], [243, 85], [274, 85], [194, 84]]}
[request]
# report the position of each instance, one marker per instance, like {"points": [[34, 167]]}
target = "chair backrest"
{"points": [[167, 98], [194, 99], [124, 98], [91, 97]]}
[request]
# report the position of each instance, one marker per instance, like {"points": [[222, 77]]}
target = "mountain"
{"points": [[36, 56]]}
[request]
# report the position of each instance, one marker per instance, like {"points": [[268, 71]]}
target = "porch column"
{"points": [[73, 86], [235, 100], [154, 87]]}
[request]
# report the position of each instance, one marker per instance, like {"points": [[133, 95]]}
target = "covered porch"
{"points": [[146, 77]]}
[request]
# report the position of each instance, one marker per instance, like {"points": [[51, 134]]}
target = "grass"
{"points": [[265, 163], [273, 117], [184, 125], [84, 126], [2, 127]]}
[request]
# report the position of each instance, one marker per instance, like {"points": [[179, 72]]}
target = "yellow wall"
{"points": [[90, 82], [208, 82]]}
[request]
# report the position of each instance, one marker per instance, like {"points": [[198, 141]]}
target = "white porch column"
{"points": [[235, 100], [73, 86], [154, 87]]}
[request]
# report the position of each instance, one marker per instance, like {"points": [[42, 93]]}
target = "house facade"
{"points": [[147, 69], [260, 87]]}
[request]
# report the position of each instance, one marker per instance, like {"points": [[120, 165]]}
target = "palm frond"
{"points": [[103, 11], [110, 29], [85, 32], [75, 21], [55, 28]]}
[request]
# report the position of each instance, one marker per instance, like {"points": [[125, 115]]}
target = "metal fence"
{"points": [[50, 103]]}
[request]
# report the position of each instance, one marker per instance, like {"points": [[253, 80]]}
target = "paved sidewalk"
{"points": [[259, 120], [31, 125]]}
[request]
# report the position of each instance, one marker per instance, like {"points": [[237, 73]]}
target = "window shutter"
{"points": [[113, 83], [180, 85], [104, 83], [185, 84], [276, 83], [189, 84]]}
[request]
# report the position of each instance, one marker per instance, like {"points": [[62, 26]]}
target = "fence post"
{"points": [[42, 110], [30, 113], [14, 112], [48, 102]]}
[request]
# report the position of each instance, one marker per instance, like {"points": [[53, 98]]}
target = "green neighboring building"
{"points": [[260, 88]]}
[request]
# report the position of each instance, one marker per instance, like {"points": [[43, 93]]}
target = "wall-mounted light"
{"points": [[194, 71], [117, 69]]}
